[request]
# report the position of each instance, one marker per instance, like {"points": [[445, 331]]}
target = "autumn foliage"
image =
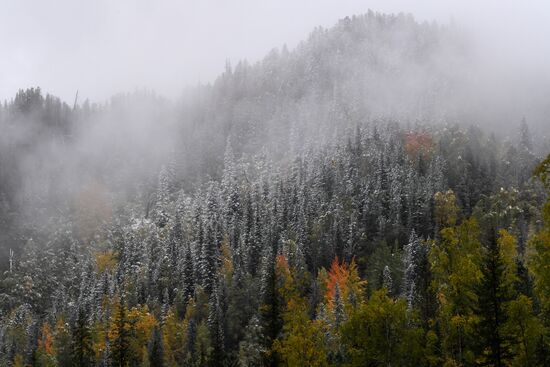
{"points": [[346, 277], [418, 143], [45, 342]]}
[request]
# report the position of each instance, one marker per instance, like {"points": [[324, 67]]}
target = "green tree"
{"points": [[119, 334], [156, 349], [82, 343], [526, 329], [378, 333], [251, 350], [495, 290], [18, 361], [62, 343], [45, 353], [203, 346], [173, 333], [538, 260], [302, 343], [455, 261], [540, 247]]}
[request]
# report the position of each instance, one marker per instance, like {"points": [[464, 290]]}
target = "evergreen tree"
{"points": [[82, 342], [188, 274], [119, 335], [338, 308], [233, 271], [412, 253], [270, 304], [156, 349], [251, 349], [387, 280], [494, 293], [62, 343], [216, 328], [163, 198]]}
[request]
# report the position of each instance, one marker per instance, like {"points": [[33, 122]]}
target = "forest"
{"points": [[321, 207]]}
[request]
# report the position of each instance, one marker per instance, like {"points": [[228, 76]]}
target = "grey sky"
{"points": [[102, 47]]}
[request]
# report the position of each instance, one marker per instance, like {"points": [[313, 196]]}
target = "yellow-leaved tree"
{"points": [[302, 342], [455, 260]]}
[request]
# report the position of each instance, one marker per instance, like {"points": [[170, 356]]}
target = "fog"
{"points": [[103, 47], [264, 183], [250, 182], [172, 84]]}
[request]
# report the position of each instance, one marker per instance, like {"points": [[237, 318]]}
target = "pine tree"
{"points": [[62, 343], [188, 274], [494, 292], [387, 281], [338, 308], [216, 328], [165, 305], [82, 343], [156, 260], [270, 307], [203, 347], [173, 252], [119, 334], [251, 349], [162, 198], [412, 252], [156, 349], [207, 265]]}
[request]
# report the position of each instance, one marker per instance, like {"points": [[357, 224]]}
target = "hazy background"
{"points": [[104, 47]]}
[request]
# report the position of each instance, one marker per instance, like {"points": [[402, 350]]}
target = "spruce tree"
{"points": [[120, 336], [156, 349], [82, 342], [494, 292]]}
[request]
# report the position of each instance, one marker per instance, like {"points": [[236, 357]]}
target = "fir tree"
{"points": [[251, 349], [156, 349], [120, 336], [387, 281], [82, 343], [494, 292]]}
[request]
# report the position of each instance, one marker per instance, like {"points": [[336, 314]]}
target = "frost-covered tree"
{"points": [[387, 280], [251, 348], [412, 255]]}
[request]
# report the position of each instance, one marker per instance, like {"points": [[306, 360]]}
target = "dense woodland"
{"points": [[288, 214]]}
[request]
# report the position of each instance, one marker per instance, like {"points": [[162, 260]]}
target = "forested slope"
{"points": [[326, 206]]}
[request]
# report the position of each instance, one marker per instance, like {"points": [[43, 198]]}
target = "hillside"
{"points": [[328, 205]]}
